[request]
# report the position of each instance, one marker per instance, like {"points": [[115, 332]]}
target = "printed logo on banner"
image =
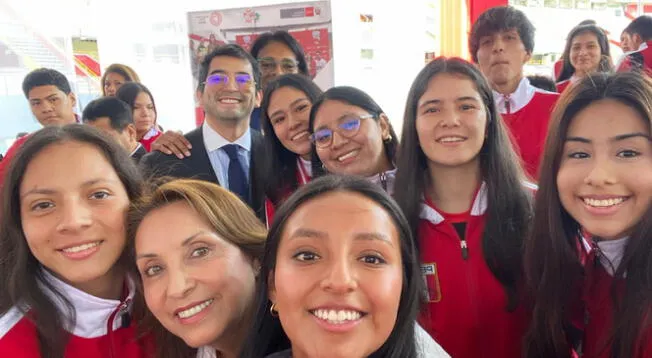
{"points": [[310, 11], [216, 18], [432, 293], [250, 16]]}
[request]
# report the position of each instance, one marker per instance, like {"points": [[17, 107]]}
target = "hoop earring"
{"points": [[272, 310]]}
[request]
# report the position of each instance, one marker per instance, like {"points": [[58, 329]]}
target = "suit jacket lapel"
{"points": [[199, 158]]}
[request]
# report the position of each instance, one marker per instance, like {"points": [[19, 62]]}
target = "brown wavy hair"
{"points": [[123, 70], [229, 217]]}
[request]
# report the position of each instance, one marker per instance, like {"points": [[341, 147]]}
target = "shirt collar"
{"points": [[644, 45], [612, 253], [91, 313], [479, 207], [136, 149], [517, 100], [214, 141]]}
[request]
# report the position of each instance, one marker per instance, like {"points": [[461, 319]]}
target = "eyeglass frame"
{"points": [[276, 62], [241, 86], [339, 129]]}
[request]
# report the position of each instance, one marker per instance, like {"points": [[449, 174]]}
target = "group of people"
{"points": [[506, 221]]}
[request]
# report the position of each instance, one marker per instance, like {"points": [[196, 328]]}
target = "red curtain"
{"points": [[477, 7]]}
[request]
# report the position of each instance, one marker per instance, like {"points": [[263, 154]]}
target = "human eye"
{"points": [[628, 153], [42, 205], [216, 79], [152, 270], [101, 194], [200, 252], [350, 124], [323, 136], [577, 155], [467, 107], [305, 256], [277, 120], [485, 41], [242, 79], [431, 110], [302, 107], [373, 259]]}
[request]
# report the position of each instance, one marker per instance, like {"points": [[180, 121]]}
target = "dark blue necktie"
{"points": [[238, 183]]}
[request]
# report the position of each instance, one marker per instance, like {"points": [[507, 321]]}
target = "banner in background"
{"points": [[310, 23]]}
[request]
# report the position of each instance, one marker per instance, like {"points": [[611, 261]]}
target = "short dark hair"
{"points": [[45, 77], [230, 50], [130, 90], [118, 112], [355, 97], [587, 22], [286, 39], [641, 26], [498, 19], [267, 331], [543, 82]]}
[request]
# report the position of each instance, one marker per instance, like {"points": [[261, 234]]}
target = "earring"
{"points": [[388, 139], [272, 310]]}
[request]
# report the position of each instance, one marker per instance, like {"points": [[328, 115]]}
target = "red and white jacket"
{"points": [[526, 113], [150, 137], [103, 328], [466, 304], [598, 304], [639, 60], [304, 175]]}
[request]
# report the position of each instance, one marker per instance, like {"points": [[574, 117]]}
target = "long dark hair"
{"points": [[130, 90], [509, 209], [354, 97], [605, 56], [23, 282], [280, 168], [284, 37], [267, 332], [552, 265]]}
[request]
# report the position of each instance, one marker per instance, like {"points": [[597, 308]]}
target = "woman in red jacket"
{"points": [[460, 186], [285, 111], [593, 289], [63, 287]]}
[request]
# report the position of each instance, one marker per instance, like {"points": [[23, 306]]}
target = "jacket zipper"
{"points": [[465, 249], [122, 308]]}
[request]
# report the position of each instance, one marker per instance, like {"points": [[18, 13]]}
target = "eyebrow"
{"points": [[438, 101], [48, 191], [291, 104], [185, 242], [617, 138], [363, 236]]}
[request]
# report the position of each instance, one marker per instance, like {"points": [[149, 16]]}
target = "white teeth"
{"points": [[337, 317], [451, 139], [347, 155], [194, 310], [300, 135], [79, 248], [603, 203], [229, 100]]}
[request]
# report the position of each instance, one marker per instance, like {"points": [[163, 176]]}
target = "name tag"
{"points": [[432, 292]]}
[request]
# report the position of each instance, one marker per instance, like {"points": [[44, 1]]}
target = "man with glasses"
{"points": [[224, 149]]}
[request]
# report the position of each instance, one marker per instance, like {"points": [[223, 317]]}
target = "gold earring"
{"points": [[272, 310], [388, 139]]}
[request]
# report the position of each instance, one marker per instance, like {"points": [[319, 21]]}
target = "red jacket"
{"points": [[466, 305], [640, 60], [561, 86], [11, 152], [102, 329], [527, 117], [598, 312], [304, 175], [149, 138]]}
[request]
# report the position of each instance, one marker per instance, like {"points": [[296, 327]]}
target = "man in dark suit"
{"points": [[114, 117], [224, 150]]}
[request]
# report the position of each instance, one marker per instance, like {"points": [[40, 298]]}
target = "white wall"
{"points": [[120, 24]]}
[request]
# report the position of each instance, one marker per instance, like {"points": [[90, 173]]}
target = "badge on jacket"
{"points": [[432, 292]]}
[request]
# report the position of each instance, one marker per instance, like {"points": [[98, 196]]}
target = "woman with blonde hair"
{"points": [[197, 249], [115, 76]]}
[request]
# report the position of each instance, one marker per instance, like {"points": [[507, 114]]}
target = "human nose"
{"points": [[339, 277], [601, 173], [75, 216], [180, 283]]}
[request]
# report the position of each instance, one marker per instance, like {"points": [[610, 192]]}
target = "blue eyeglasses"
{"points": [[242, 80], [348, 127]]}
